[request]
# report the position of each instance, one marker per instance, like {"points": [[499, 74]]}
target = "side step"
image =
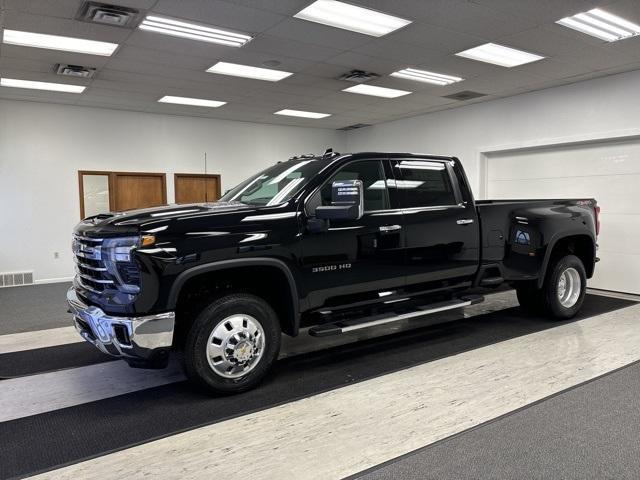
{"points": [[345, 326]]}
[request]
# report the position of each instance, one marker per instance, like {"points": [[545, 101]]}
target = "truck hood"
{"points": [[148, 219]]}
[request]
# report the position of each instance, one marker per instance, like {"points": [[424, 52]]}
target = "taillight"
{"points": [[596, 209]]}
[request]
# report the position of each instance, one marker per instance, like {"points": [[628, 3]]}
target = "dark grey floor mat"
{"points": [[93, 429], [33, 307], [591, 431]]}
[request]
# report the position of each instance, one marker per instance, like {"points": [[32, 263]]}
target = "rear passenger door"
{"points": [[440, 228]]}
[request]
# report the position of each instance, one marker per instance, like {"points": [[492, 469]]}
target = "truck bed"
{"points": [[516, 233]]}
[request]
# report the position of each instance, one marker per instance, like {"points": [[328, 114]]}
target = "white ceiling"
{"points": [[149, 65]]}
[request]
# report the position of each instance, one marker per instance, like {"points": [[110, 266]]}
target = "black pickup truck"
{"points": [[331, 242]]}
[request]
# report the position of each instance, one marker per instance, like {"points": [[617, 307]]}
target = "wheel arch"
{"points": [[288, 309], [579, 243]]}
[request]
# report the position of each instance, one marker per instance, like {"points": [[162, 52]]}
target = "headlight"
{"points": [[118, 260]]}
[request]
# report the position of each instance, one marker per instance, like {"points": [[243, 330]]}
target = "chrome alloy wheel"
{"points": [[235, 346], [569, 287]]}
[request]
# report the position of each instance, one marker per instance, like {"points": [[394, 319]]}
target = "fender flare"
{"points": [[552, 243], [184, 276]]}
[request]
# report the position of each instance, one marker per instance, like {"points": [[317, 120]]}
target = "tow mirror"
{"points": [[347, 201]]}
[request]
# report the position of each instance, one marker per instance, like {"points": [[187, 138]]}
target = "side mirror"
{"points": [[347, 201]]}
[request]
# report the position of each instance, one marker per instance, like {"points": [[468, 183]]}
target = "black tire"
{"points": [[196, 362], [552, 304], [530, 297]]}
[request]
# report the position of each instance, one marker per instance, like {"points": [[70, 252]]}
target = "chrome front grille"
{"points": [[91, 272]]}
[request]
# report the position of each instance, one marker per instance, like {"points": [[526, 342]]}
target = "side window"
{"points": [[371, 172], [425, 184]]}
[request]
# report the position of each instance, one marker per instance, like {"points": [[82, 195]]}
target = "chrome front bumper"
{"points": [[136, 339]]}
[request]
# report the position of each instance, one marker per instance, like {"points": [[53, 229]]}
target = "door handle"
{"points": [[465, 221], [389, 228]]}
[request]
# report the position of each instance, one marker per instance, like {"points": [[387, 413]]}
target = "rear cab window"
{"points": [[424, 183]]}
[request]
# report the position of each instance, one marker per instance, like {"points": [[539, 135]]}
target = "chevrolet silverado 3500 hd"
{"points": [[331, 242]]}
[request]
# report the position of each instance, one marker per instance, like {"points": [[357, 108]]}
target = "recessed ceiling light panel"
{"points": [[351, 17], [247, 71], [602, 25], [54, 87], [197, 102], [301, 113], [193, 31], [57, 42], [499, 55], [363, 89], [425, 76]]}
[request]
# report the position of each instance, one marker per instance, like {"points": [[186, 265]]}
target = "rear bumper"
{"points": [[142, 341]]}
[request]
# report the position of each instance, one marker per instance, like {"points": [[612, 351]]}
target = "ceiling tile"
{"points": [[176, 45], [395, 51], [317, 34], [283, 46], [433, 38], [358, 61], [220, 14]]}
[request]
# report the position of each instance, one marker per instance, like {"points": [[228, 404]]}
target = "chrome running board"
{"points": [[336, 328]]}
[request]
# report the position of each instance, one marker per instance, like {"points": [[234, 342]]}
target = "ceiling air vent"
{"points": [[465, 95], [75, 71], [354, 126], [358, 76], [106, 14]]}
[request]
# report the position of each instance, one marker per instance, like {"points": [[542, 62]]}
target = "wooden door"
{"points": [[138, 190], [196, 188]]}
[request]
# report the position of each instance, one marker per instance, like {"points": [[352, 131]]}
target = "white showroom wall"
{"points": [[42, 146], [595, 109]]}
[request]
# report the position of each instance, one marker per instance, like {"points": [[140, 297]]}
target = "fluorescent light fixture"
{"points": [[198, 102], [57, 42], [246, 71], [350, 17], [602, 25], [427, 77], [376, 91], [54, 87], [301, 113], [499, 55], [193, 31]]}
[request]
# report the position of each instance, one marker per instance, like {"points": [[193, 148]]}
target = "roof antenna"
{"points": [[328, 151]]}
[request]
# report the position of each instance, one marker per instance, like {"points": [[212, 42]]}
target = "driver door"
{"points": [[354, 257]]}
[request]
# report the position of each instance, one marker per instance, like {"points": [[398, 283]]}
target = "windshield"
{"points": [[276, 184]]}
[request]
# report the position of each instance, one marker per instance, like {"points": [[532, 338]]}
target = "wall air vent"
{"points": [[355, 126], [14, 279], [358, 76], [75, 71], [465, 95], [106, 14]]}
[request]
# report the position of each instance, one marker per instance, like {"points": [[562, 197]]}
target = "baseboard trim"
{"points": [[611, 293], [52, 280]]}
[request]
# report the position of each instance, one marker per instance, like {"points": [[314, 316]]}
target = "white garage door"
{"points": [[607, 171]]}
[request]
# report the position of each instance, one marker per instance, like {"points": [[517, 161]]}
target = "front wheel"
{"points": [[232, 344]]}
